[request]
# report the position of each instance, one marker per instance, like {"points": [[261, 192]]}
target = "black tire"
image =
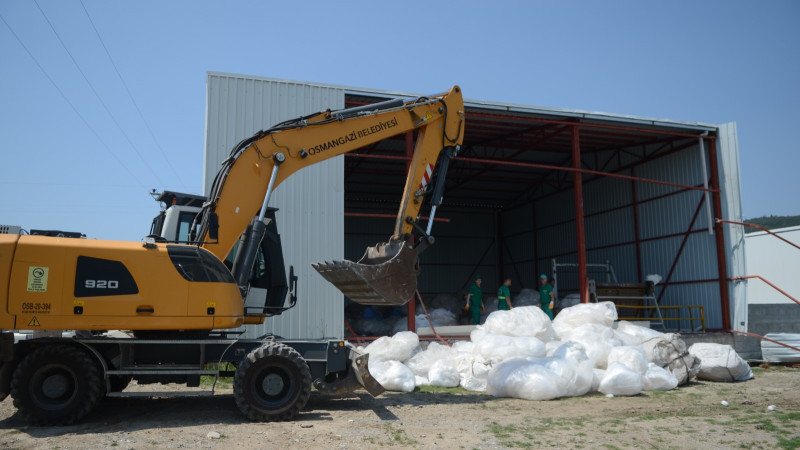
{"points": [[56, 385], [272, 383]]}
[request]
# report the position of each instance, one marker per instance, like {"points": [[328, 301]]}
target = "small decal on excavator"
{"points": [[37, 279], [34, 322]]}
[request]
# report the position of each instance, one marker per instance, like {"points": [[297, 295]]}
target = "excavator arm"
{"points": [[240, 194]]}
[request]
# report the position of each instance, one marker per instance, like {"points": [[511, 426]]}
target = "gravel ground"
{"points": [[689, 417]]}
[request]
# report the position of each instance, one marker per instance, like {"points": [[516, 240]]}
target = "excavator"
{"points": [[209, 267]]}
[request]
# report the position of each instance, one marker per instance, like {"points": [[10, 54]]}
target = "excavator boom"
{"points": [[388, 272]]}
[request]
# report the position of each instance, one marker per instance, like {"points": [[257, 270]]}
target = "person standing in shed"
{"points": [[504, 296], [546, 296], [475, 300]]}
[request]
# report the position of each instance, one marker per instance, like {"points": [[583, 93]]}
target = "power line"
{"points": [[136, 105], [71, 105], [114, 119]]}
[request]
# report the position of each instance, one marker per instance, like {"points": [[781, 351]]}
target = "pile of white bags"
{"points": [[520, 353]]}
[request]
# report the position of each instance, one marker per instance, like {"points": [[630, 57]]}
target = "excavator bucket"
{"points": [[386, 275]]}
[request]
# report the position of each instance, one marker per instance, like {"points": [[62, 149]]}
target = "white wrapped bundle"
{"points": [[393, 375], [399, 347], [620, 380], [527, 321], [720, 362]]}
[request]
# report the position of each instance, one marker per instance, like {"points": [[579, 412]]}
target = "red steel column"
{"points": [[722, 264], [412, 304], [583, 278], [636, 235]]}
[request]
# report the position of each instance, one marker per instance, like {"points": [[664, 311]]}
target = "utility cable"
{"points": [[110, 114], [136, 105], [85, 122]]}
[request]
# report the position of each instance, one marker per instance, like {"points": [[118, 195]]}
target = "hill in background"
{"points": [[772, 222]]}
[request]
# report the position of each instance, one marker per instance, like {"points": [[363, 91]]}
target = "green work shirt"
{"points": [[544, 294], [502, 298], [476, 296]]}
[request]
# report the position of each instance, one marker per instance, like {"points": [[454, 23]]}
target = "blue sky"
{"points": [[711, 62]]}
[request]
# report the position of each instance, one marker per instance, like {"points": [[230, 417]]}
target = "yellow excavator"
{"points": [[182, 294]]}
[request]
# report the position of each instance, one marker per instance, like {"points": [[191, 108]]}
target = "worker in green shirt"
{"points": [[475, 300], [546, 296], [504, 296]]}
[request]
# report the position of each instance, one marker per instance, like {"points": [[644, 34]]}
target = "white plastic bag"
{"points": [[393, 375], [659, 379], [633, 334], [529, 321], [443, 373], [632, 356], [526, 379], [719, 362], [399, 347], [421, 363], [495, 348], [597, 340], [603, 313], [620, 380]]}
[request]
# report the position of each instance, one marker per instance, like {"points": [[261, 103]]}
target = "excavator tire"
{"points": [[56, 385], [272, 383]]}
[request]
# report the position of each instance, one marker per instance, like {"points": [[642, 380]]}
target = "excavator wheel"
{"points": [[272, 383], [56, 385]]}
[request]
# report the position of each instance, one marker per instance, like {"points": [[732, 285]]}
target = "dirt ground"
{"points": [[689, 417]]}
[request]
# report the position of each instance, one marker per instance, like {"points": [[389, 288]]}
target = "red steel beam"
{"points": [[583, 276], [680, 249], [722, 263], [745, 333], [585, 125], [636, 235], [750, 277], [577, 169], [752, 225]]}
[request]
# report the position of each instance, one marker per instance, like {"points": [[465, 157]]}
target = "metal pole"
{"points": [[270, 187], [583, 279], [722, 263], [636, 236], [705, 185]]}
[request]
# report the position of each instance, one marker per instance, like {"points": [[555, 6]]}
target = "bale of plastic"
{"points": [[619, 380], [633, 334], [632, 356], [582, 379], [597, 340], [421, 381], [526, 379], [669, 351], [495, 348], [719, 362], [472, 373], [603, 313], [444, 373], [393, 375], [527, 321], [526, 297], [659, 379], [421, 363], [399, 347], [443, 317]]}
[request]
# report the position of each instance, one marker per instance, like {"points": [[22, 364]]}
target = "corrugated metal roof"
{"points": [[501, 106]]}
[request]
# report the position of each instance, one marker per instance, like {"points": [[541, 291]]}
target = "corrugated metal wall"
{"points": [[730, 179], [660, 217], [311, 202]]}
